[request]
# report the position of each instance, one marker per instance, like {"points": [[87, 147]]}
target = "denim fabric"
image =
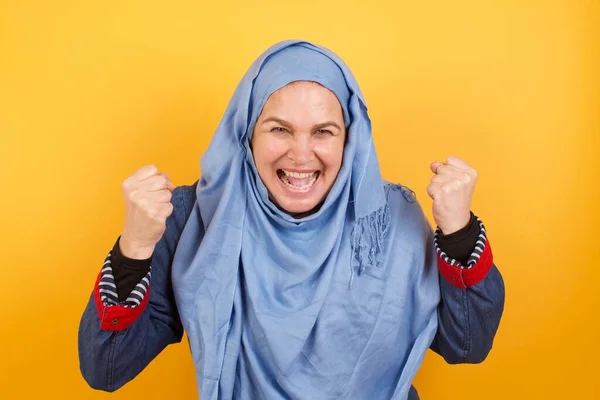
{"points": [[467, 318]]}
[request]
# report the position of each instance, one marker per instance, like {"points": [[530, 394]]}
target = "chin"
{"points": [[294, 206]]}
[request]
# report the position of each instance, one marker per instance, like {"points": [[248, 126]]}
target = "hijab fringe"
{"points": [[367, 241]]}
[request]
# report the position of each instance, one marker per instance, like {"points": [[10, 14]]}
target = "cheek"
{"points": [[331, 154], [268, 150]]}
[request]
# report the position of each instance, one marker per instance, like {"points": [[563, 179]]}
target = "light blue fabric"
{"points": [[338, 304]]}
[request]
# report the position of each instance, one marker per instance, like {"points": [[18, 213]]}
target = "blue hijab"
{"points": [[277, 307]]}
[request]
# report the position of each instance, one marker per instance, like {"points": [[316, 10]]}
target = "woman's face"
{"points": [[298, 143]]}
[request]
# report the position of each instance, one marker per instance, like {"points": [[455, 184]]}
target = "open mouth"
{"points": [[298, 181]]}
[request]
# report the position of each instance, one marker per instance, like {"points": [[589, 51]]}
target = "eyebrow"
{"points": [[288, 125]]}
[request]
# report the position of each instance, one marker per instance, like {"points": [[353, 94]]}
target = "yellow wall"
{"points": [[90, 91]]}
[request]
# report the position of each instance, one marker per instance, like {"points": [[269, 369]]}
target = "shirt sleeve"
{"points": [[119, 314], [472, 295], [459, 245], [118, 338], [128, 273], [123, 281], [464, 257]]}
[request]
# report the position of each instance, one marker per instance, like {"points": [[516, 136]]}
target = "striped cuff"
{"points": [[108, 287], [479, 264], [115, 315]]}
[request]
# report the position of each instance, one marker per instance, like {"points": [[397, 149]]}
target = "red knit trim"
{"points": [[464, 277], [117, 317]]}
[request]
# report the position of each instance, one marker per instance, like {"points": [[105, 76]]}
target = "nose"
{"points": [[301, 150]]}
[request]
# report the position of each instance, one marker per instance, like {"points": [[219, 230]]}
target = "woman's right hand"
{"points": [[147, 196]]}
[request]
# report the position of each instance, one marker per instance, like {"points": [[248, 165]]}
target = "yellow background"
{"points": [[90, 91]]}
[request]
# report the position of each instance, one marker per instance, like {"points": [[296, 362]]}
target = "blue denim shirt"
{"points": [[468, 318]]}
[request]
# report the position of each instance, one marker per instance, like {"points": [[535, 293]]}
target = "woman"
{"points": [[296, 271]]}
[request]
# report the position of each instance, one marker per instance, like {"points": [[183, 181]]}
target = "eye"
{"points": [[323, 132], [278, 129]]}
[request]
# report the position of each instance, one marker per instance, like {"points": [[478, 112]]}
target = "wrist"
{"points": [[455, 226], [134, 250]]}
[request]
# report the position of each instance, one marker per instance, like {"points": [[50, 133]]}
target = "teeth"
{"points": [[312, 177], [299, 174]]}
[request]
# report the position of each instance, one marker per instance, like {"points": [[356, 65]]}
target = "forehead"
{"points": [[303, 97]]}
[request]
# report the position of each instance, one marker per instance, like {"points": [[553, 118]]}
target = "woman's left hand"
{"points": [[451, 189]]}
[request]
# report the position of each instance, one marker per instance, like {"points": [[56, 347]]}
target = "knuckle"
{"points": [[154, 213], [143, 203], [132, 195], [126, 185]]}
